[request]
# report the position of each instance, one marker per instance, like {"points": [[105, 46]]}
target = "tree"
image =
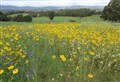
{"points": [[19, 18], [4, 18], [1, 13], [27, 18], [51, 15], [111, 12]]}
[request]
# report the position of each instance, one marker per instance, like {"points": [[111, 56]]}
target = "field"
{"points": [[85, 20], [87, 50]]}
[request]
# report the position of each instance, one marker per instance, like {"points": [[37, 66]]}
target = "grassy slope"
{"points": [[96, 20]]}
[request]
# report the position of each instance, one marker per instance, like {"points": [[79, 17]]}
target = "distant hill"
{"points": [[9, 7]]}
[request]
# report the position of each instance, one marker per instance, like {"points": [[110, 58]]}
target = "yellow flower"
{"points": [[10, 67], [78, 48], [1, 42], [54, 56], [16, 38], [94, 41], [8, 44], [6, 48], [1, 71], [77, 68], [9, 49], [91, 53], [15, 71], [23, 56], [27, 33], [85, 58], [36, 38], [63, 58], [26, 61], [90, 75]]}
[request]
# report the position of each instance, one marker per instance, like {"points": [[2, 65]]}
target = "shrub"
{"points": [[27, 18], [4, 18], [19, 18], [1, 13]]}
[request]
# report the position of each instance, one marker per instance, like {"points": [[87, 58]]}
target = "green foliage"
{"points": [[4, 17], [71, 12], [43, 13], [1, 13], [51, 15], [19, 18], [33, 14], [27, 18], [76, 12], [72, 20], [112, 11], [15, 12]]}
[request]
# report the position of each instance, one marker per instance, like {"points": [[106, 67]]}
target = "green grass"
{"points": [[43, 20], [83, 20], [95, 19]]}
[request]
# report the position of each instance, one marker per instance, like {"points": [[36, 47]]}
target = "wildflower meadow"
{"points": [[59, 52]]}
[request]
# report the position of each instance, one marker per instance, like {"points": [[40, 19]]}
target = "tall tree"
{"points": [[112, 11], [51, 15]]}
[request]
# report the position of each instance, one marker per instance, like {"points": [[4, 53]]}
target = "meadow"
{"points": [[87, 50], [84, 20]]}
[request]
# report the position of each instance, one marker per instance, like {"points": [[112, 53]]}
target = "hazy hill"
{"points": [[9, 7]]}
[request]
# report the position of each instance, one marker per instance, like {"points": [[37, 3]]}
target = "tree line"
{"points": [[71, 12], [18, 18], [62, 12]]}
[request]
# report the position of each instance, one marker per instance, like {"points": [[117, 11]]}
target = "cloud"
{"points": [[54, 2]]}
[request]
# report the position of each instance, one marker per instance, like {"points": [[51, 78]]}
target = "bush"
{"points": [[4, 18], [1, 13], [19, 18], [27, 18], [72, 20]]}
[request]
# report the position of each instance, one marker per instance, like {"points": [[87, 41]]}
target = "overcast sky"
{"points": [[40, 3]]}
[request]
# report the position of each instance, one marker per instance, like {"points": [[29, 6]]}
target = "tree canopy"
{"points": [[111, 12]]}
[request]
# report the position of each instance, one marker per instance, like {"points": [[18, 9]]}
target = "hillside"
{"points": [[9, 7]]}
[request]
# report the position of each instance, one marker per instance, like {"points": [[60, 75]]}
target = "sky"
{"points": [[41, 3]]}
